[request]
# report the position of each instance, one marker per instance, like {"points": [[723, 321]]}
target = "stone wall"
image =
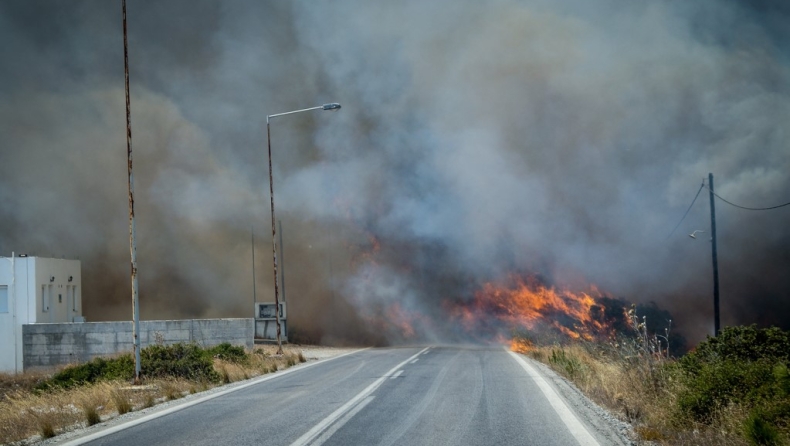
{"points": [[46, 345]]}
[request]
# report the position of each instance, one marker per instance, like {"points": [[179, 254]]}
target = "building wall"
{"points": [[8, 333], [46, 345], [58, 290], [39, 290]]}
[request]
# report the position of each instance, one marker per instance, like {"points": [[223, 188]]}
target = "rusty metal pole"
{"points": [[132, 242], [274, 241]]}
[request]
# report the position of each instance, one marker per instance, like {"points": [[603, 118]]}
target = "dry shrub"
{"points": [[231, 371], [642, 391], [12, 424], [120, 399], [173, 389], [92, 400], [25, 414], [11, 383]]}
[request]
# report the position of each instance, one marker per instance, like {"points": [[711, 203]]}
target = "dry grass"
{"points": [[641, 392], [120, 399], [25, 413]]}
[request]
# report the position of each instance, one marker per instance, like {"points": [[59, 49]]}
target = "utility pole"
{"points": [[716, 323], [132, 242]]}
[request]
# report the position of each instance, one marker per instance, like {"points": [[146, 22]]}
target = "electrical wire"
{"points": [[687, 210], [744, 207]]}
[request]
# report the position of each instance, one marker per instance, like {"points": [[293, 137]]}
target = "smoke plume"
{"points": [[477, 140]]}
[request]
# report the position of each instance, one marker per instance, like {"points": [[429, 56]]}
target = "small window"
{"points": [[3, 298]]}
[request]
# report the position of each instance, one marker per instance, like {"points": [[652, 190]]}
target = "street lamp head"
{"points": [[332, 106]]}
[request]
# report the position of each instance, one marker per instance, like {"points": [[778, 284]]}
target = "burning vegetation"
{"points": [[519, 311], [524, 311], [526, 303]]}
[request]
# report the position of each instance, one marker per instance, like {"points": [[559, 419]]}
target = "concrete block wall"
{"points": [[46, 345]]}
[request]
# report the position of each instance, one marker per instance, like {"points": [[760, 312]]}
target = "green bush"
{"points": [[187, 361], [743, 343], [715, 385], [92, 371], [227, 352], [567, 364], [759, 431], [743, 366]]}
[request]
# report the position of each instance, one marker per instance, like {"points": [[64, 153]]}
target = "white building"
{"points": [[35, 290]]}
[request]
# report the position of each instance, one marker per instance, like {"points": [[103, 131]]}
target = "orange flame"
{"points": [[521, 345], [527, 304]]}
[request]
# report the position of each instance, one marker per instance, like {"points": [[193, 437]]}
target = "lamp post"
{"points": [[331, 106]]}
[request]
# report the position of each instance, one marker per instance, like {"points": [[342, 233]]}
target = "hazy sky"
{"points": [[476, 140]]}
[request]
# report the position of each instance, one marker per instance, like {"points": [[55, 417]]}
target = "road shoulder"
{"points": [[607, 428]]}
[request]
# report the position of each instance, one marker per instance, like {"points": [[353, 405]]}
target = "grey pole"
{"points": [[132, 242], [332, 106], [716, 320]]}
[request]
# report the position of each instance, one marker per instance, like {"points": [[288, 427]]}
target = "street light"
{"points": [[330, 106], [694, 234]]}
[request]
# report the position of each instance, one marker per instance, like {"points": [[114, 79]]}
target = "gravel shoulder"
{"points": [[612, 431]]}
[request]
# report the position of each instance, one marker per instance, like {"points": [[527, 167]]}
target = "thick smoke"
{"points": [[476, 140]]}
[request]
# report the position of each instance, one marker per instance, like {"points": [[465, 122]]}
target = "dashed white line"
{"points": [[334, 428], [396, 375], [415, 361]]}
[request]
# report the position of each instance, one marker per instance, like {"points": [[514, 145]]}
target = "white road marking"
{"points": [[155, 415], [397, 374], [341, 422], [425, 352], [576, 428], [310, 435], [415, 360]]}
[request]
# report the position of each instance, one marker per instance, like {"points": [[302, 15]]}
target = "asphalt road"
{"points": [[396, 396]]}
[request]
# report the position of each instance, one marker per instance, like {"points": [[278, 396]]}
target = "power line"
{"points": [[687, 210], [745, 207]]}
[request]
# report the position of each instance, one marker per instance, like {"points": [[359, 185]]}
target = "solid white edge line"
{"points": [[254, 381], [576, 428], [331, 418]]}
